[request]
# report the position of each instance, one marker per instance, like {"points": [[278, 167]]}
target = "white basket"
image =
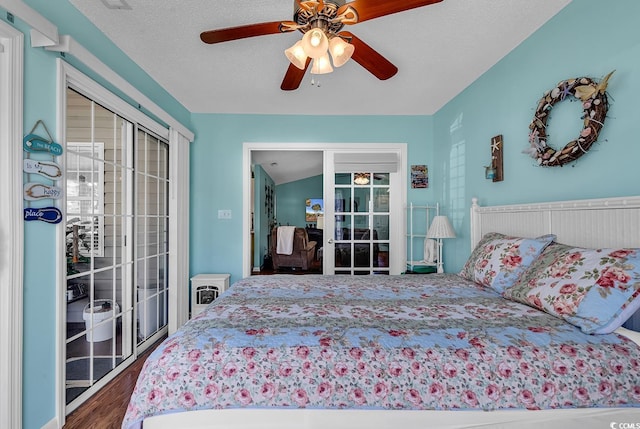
{"points": [[103, 309]]}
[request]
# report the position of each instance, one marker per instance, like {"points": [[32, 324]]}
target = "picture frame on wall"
{"points": [[313, 208], [419, 176]]}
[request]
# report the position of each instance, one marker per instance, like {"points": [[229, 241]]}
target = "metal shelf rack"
{"points": [[418, 220]]}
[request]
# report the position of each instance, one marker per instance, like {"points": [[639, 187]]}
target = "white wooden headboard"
{"points": [[595, 223]]}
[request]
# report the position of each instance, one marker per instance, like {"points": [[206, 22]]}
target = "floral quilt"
{"points": [[424, 342]]}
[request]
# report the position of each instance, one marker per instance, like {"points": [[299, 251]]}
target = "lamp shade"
{"points": [[441, 228], [296, 55], [340, 51], [321, 65], [315, 43]]}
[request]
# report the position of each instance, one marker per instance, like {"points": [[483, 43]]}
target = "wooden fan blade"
{"points": [[244, 31], [369, 58], [293, 77], [371, 9]]}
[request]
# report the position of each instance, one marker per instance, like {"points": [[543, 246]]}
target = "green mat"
{"points": [[422, 269]]}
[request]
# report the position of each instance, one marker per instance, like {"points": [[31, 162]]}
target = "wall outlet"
{"points": [[224, 214]]}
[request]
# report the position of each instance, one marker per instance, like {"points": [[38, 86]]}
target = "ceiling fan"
{"points": [[321, 22]]}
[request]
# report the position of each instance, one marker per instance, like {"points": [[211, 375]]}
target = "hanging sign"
{"points": [[40, 191], [35, 143], [47, 169], [44, 214]]}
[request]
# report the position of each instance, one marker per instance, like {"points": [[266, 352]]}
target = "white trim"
{"points": [[44, 33], [61, 260], [401, 148], [178, 230], [77, 80], [72, 47], [535, 219], [11, 226]]}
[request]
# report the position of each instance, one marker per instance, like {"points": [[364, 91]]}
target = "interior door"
{"points": [[363, 213]]}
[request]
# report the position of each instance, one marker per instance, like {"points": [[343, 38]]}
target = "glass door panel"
{"points": [[361, 237], [152, 185], [97, 294]]}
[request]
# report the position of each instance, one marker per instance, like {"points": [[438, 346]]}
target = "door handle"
{"points": [[330, 240]]}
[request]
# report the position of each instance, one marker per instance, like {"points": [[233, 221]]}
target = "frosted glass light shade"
{"points": [[340, 51], [296, 55], [315, 43], [361, 178], [441, 228], [322, 65]]}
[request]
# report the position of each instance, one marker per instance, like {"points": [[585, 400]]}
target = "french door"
{"points": [[361, 229], [363, 226]]}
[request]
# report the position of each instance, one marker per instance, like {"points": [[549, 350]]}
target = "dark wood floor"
{"points": [[105, 410], [267, 270]]}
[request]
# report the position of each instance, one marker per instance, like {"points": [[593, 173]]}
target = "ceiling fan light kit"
{"points": [[319, 27], [340, 50], [321, 22], [361, 178], [296, 55], [315, 43], [321, 65]]}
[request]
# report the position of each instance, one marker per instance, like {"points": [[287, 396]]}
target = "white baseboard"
{"points": [[51, 424]]}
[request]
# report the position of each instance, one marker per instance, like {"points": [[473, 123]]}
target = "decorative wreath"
{"points": [[594, 103]]}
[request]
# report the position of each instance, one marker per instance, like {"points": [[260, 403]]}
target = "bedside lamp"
{"points": [[440, 228]]}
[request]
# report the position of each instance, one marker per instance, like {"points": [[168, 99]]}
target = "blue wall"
{"points": [[292, 196], [216, 169], [40, 271], [587, 38]]}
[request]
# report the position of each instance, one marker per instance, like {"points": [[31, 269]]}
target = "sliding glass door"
{"points": [[99, 262], [116, 191]]}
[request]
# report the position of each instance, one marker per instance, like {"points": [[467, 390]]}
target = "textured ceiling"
{"points": [[438, 49], [288, 166]]}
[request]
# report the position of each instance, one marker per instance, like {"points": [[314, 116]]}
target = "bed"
{"points": [[497, 345]]}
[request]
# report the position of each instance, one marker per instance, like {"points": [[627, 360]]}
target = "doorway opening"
{"points": [[263, 204], [287, 185]]}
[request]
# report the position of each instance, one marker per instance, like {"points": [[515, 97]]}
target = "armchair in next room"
{"points": [[303, 251]]}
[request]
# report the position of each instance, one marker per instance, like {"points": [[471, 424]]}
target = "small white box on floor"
{"points": [[205, 288]]}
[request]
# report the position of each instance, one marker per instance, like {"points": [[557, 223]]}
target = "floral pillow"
{"points": [[498, 260], [593, 289]]}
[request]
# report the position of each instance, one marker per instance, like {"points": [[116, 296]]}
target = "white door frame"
{"points": [[395, 265], [69, 76], [11, 225]]}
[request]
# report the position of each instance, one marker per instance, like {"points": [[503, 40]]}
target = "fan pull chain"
{"points": [[315, 83]]}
